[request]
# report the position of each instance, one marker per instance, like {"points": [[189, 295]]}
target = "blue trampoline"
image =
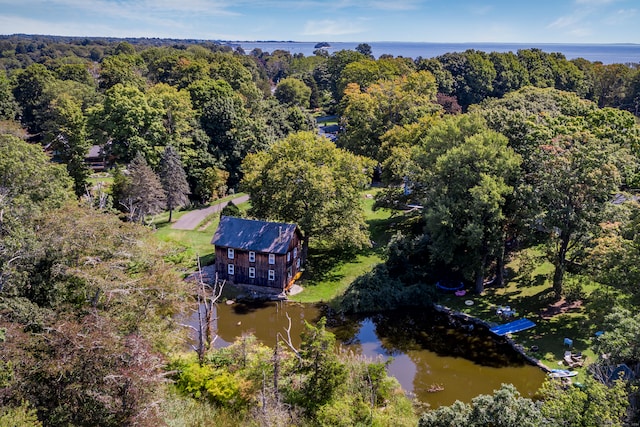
{"points": [[513, 327], [452, 288]]}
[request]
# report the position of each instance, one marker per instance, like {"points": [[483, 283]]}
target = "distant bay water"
{"points": [[605, 53]]}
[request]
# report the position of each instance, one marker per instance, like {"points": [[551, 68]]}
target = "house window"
{"points": [[295, 252], [252, 272], [289, 273], [298, 263], [272, 275], [272, 258], [230, 269], [230, 253], [252, 256], [288, 256]]}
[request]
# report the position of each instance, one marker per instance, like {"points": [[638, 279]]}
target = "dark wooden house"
{"points": [[258, 253]]}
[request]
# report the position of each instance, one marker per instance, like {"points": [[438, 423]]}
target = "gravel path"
{"points": [[191, 220]]}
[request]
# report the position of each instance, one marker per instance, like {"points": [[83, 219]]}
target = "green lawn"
{"points": [[190, 244], [531, 296], [333, 272]]}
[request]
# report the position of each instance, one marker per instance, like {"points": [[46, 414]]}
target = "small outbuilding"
{"points": [[258, 253]]}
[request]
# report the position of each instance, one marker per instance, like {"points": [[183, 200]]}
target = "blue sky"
{"points": [[541, 21]]}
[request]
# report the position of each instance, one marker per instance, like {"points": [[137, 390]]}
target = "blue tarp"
{"points": [[512, 327]]}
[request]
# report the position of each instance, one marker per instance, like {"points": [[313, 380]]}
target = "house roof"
{"points": [[254, 235], [94, 151]]}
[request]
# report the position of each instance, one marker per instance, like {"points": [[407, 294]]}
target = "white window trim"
{"points": [[272, 275], [252, 256], [272, 259], [288, 256], [252, 272], [230, 269], [230, 253], [295, 252], [298, 263]]}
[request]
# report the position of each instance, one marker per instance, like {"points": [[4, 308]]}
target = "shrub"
{"points": [[231, 210], [377, 291]]}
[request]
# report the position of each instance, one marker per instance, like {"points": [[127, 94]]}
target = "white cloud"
{"points": [[620, 16], [329, 27], [565, 21]]}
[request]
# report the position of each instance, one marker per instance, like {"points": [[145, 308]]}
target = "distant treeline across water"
{"points": [[605, 53]]}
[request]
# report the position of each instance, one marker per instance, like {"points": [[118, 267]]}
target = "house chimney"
{"points": [[280, 233]]}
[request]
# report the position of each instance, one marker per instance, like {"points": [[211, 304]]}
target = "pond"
{"points": [[436, 362]]}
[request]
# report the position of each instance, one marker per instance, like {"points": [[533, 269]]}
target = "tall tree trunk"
{"points": [[499, 280], [560, 266], [170, 215], [480, 275]]}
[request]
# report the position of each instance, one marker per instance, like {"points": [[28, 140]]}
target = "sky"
{"points": [[440, 21]]}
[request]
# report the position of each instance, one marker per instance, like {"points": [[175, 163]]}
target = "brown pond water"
{"points": [[426, 350]]}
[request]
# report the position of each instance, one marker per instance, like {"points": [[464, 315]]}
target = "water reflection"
{"points": [[439, 363], [426, 352]]}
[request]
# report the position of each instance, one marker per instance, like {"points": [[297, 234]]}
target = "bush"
{"points": [[231, 210], [377, 291]]}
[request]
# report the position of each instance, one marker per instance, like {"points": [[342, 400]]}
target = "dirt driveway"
{"points": [[191, 220]]}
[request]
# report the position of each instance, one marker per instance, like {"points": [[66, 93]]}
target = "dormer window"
{"points": [[230, 253]]}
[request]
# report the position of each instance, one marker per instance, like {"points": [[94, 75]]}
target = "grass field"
{"points": [[191, 244], [532, 296], [334, 272]]}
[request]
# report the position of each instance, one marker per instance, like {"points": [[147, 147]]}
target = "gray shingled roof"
{"points": [[254, 235]]}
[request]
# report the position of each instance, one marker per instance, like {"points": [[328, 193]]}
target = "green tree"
{"points": [[174, 180], [66, 130], [538, 66], [594, 404], [30, 185], [8, 105], [611, 84], [367, 115], [125, 68], [464, 213], [575, 180], [365, 49], [620, 340], [614, 258], [227, 123], [324, 373], [127, 124], [473, 74], [293, 91], [307, 180], [29, 89], [510, 74], [505, 408], [143, 194]]}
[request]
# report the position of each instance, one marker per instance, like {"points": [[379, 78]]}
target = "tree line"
{"points": [[484, 155]]}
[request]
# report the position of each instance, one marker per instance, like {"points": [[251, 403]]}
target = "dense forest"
{"points": [[483, 158]]}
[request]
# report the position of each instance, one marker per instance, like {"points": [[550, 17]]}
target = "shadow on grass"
{"points": [[321, 265]]}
